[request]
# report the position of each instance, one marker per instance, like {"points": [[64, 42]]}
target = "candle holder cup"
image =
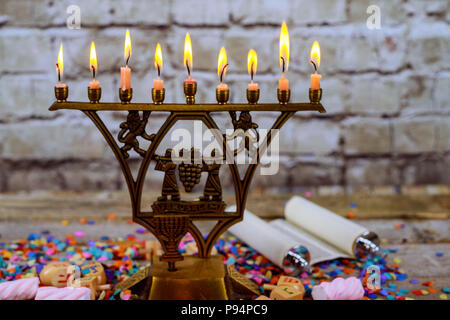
{"points": [[61, 93], [315, 95], [94, 95], [222, 96], [125, 95], [190, 89], [158, 95], [171, 216], [252, 96], [283, 96]]}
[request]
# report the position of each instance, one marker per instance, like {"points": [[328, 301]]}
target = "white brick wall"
{"points": [[386, 91]]}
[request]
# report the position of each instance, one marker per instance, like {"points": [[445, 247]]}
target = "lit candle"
{"points": [[222, 68], [315, 61], [188, 58], [94, 84], [283, 83], [60, 67], [125, 72], [158, 84], [252, 63]]}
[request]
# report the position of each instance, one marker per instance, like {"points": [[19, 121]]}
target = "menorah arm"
{"points": [[111, 106]]}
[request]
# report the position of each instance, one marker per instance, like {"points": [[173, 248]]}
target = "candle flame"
{"points": [[222, 62], [188, 52], [93, 58], [127, 47], [158, 57], [315, 53], [284, 47], [252, 62], [60, 65]]}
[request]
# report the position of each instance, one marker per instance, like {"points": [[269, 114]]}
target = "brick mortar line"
{"points": [[334, 117], [44, 163]]}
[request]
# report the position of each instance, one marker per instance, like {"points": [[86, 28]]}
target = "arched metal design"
{"points": [[173, 217]]}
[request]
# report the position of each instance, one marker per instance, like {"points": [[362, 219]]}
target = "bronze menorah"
{"points": [[172, 217]]}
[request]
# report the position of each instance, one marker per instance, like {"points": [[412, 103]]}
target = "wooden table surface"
{"points": [[426, 230]]}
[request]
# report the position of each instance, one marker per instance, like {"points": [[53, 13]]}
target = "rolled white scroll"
{"points": [[261, 236], [323, 224], [318, 249]]}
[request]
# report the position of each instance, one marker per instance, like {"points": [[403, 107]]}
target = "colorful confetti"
{"points": [[121, 258]]}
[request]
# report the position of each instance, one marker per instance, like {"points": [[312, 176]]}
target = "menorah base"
{"points": [[195, 279]]}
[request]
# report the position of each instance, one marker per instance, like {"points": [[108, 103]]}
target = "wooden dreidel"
{"points": [[94, 269], [286, 293], [55, 274], [88, 282], [291, 282], [269, 287]]}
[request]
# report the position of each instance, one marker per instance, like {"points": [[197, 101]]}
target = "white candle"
{"points": [[315, 61], [252, 63], [283, 83], [222, 68], [60, 67], [94, 84], [188, 58]]}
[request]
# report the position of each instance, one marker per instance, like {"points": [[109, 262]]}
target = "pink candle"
{"points": [[253, 86], [189, 80], [315, 81], [158, 84], [94, 84], [283, 83], [125, 72], [125, 78], [222, 86], [61, 85]]}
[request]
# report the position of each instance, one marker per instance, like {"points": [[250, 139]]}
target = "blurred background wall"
{"points": [[386, 90]]}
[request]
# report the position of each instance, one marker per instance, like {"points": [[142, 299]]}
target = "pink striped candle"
{"points": [[23, 289], [67, 293]]}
